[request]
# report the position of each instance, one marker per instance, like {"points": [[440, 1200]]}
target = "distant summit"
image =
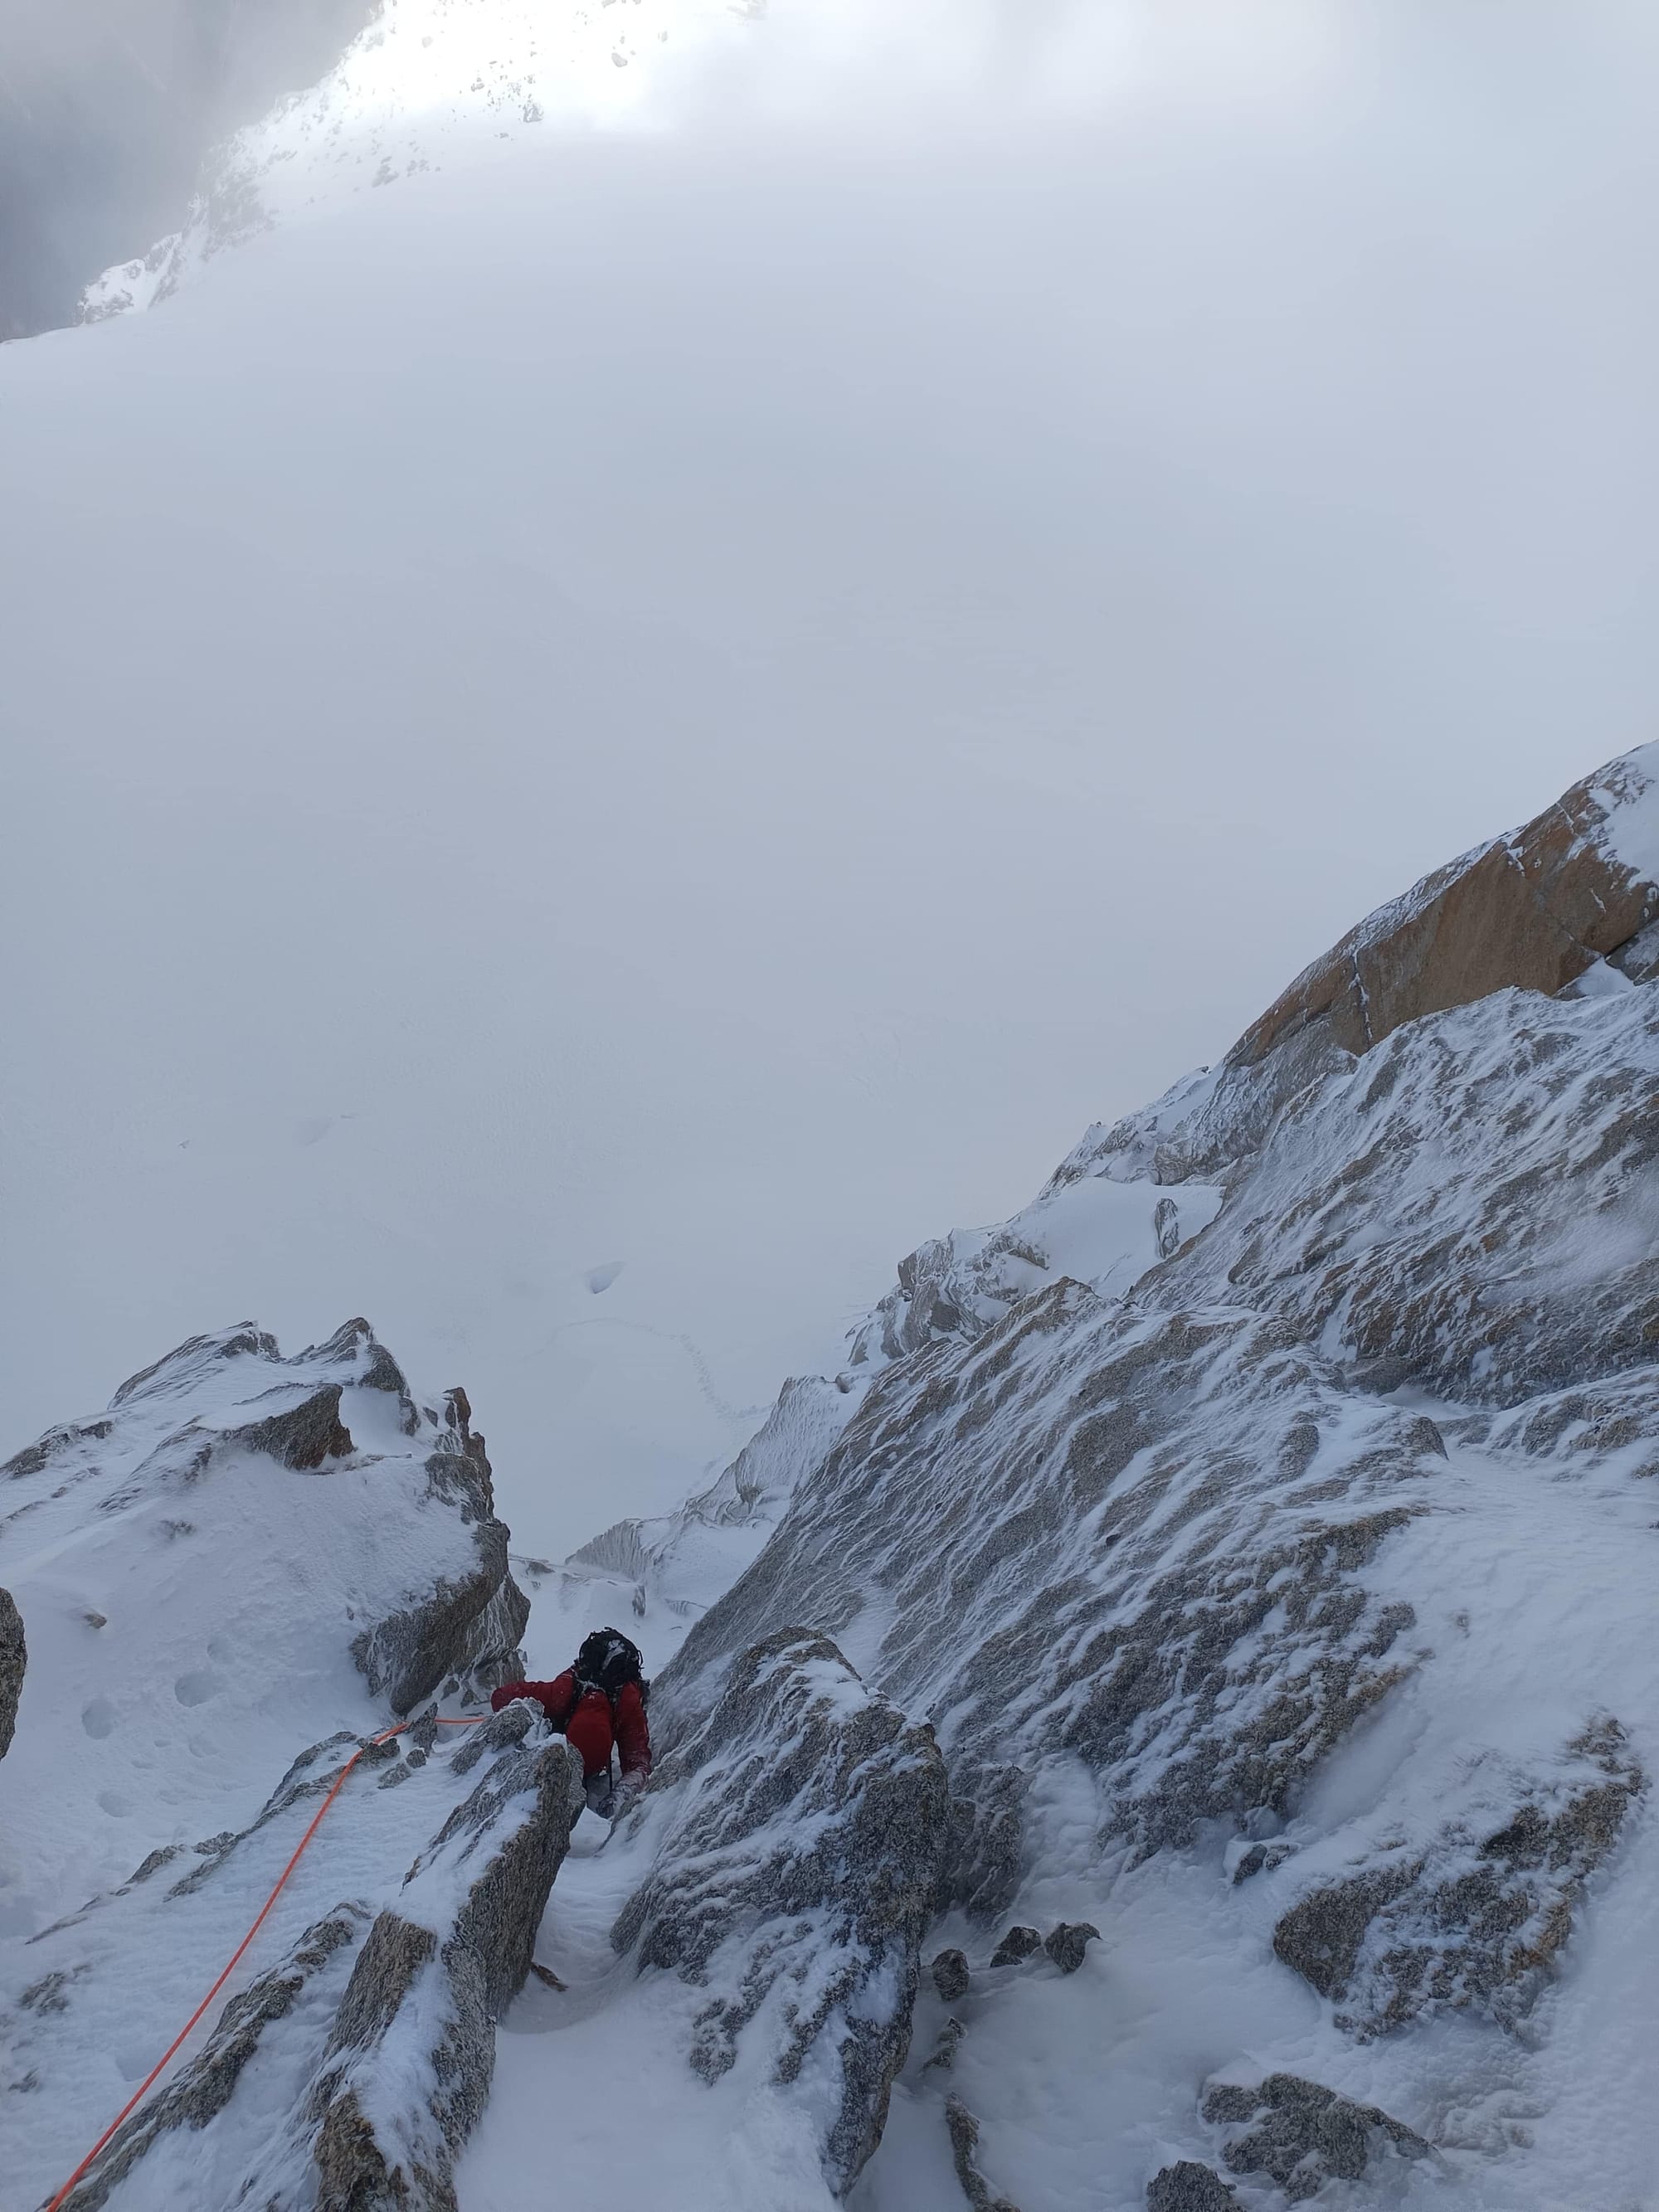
{"points": [[430, 83]]}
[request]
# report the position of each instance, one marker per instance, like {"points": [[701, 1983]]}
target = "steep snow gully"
{"points": [[1170, 1724]]}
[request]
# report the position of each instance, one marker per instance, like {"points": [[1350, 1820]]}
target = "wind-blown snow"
{"points": [[607, 739]]}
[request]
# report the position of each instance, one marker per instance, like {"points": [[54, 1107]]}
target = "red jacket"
{"points": [[592, 1721]]}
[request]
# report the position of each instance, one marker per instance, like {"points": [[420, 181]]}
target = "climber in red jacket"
{"points": [[600, 1703]]}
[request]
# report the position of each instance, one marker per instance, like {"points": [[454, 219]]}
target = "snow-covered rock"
{"points": [[800, 1836], [1530, 911], [1187, 2186], [13, 1658], [1475, 1922], [1469, 1207], [1137, 1541], [1201, 1559], [1104, 1230], [241, 1552], [1303, 2135], [1567, 903], [351, 2068], [1230, 1513], [666, 1571]]}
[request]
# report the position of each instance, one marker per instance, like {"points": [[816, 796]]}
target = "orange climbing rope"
{"points": [[467, 1720]]}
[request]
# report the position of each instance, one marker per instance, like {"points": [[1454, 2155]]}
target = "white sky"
{"points": [[708, 697]]}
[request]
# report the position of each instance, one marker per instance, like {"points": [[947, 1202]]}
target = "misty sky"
{"points": [[707, 697]]}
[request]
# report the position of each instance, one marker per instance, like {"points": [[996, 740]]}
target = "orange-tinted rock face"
{"points": [[1532, 910]]}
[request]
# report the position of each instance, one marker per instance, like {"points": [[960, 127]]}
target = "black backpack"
{"points": [[609, 1660]]}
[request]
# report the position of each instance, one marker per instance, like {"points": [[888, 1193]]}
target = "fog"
{"points": [[705, 696], [107, 108]]}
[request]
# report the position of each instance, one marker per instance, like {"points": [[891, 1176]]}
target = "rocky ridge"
{"points": [[240, 1542], [1177, 1531], [378, 2010], [1215, 1535]]}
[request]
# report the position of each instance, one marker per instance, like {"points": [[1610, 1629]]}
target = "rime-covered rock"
{"points": [[469, 1624], [1187, 2186], [1209, 1472], [13, 1658], [1017, 1943], [196, 2096], [675, 1558], [348, 2071], [238, 1534], [799, 1836], [1067, 1945], [1136, 1540], [1105, 1231], [949, 1974], [1301, 2134], [1475, 1922], [1465, 1208], [964, 2132], [436, 1971]]}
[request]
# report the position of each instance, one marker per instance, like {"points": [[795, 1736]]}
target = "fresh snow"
{"points": [[602, 738]]}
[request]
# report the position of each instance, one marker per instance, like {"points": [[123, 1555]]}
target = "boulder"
{"points": [[1017, 1943], [950, 1974], [799, 1835], [1067, 1944]]}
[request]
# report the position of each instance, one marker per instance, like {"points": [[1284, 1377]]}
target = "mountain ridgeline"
{"points": [[1234, 1570]]}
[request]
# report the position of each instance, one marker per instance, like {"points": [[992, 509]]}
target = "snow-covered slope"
{"points": [[1249, 1637], [352, 2062], [1170, 1725], [640, 732], [241, 1552]]}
